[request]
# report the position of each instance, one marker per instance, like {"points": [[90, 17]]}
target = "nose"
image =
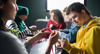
{"points": [[26, 17], [73, 20], [17, 8]]}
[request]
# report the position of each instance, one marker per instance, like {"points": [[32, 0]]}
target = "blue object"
{"points": [[70, 34]]}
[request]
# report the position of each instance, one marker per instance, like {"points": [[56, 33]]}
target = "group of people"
{"points": [[85, 39]]}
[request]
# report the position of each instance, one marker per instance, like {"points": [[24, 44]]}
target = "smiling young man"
{"points": [[87, 41]]}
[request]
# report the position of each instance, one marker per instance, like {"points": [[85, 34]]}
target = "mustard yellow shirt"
{"points": [[87, 41]]}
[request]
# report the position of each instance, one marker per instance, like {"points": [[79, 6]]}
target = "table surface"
{"points": [[41, 47]]}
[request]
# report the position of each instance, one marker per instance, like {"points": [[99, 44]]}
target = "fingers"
{"points": [[53, 33], [47, 32], [63, 42]]}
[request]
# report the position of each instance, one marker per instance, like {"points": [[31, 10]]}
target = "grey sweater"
{"points": [[10, 44]]}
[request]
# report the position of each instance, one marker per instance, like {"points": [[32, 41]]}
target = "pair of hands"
{"points": [[62, 43], [53, 37]]}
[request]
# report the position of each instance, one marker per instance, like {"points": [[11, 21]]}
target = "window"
{"points": [[60, 4]]}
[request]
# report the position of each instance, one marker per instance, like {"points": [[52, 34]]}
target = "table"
{"points": [[41, 47]]}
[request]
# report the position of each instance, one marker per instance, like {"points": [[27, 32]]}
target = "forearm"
{"points": [[64, 35], [33, 40], [49, 47]]}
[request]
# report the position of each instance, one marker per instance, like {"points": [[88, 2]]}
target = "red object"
{"points": [[61, 25], [47, 36]]}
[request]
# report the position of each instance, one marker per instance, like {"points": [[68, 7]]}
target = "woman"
{"points": [[9, 43], [18, 23], [56, 21]]}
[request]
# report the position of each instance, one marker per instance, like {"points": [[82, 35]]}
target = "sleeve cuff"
{"points": [[67, 47], [27, 45]]}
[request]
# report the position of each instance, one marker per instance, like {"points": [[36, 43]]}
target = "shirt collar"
{"points": [[85, 24]]}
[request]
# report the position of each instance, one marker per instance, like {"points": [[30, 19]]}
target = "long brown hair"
{"points": [[2, 25], [59, 14]]}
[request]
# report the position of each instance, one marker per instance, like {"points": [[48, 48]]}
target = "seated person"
{"points": [[56, 21], [9, 43], [18, 23], [88, 36], [69, 34]]}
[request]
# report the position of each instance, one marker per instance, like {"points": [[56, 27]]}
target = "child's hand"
{"points": [[51, 26], [33, 27]]}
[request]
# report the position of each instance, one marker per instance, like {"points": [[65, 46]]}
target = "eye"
{"points": [[74, 16]]}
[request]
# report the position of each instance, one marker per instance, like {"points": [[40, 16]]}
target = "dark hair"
{"points": [[2, 25], [77, 7], [59, 14], [65, 9]]}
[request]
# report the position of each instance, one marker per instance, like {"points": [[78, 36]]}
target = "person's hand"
{"points": [[41, 34], [53, 38], [58, 45], [38, 36], [63, 42], [33, 27], [51, 26]]}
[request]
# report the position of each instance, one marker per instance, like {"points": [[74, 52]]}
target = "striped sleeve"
{"points": [[12, 24]]}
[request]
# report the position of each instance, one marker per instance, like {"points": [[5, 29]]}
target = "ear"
{"points": [[1, 4], [83, 12]]}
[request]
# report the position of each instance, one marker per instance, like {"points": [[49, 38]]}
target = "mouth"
{"points": [[76, 23]]}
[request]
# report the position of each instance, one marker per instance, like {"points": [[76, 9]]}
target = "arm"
{"points": [[52, 40], [12, 24], [90, 44], [71, 34], [12, 45]]}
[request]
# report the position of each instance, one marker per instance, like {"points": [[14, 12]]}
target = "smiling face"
{"points": [[77, 18], [9, 10]]}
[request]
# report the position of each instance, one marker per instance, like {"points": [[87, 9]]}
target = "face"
{"points": [[67, 18], [54, 17], [23, 17], [9, 10], [77, 18]]}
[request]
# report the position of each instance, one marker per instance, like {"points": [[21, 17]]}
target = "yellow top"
{"points": [[87, 41]]}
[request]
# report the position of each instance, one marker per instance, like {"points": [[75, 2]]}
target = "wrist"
{"points": [[50, 43], [49, 47]]}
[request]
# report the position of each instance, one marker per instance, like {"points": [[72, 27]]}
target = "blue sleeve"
{"points": [[71, 36], [64, 35]]}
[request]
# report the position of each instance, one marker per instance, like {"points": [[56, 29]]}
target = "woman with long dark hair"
{"points": [[57, 20], [9, 43]]}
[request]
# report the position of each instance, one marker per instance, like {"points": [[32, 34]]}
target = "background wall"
{"points": [[37, 9]]}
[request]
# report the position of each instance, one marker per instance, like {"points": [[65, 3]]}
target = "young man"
{"points": [[88, 37], [69, 34]]}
